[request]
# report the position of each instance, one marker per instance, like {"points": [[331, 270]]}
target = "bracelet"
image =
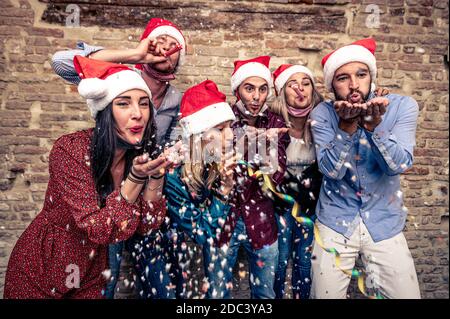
{"points": [[137, 177], [136, 181], [157, 177], [157, 187]]}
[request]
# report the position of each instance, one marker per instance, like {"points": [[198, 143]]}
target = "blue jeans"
{"points": [[294, 240], [155, 260], [114, 260], [262, 264]]}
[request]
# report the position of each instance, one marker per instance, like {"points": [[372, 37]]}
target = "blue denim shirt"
{"points": [[166, 116], [362, 171]]}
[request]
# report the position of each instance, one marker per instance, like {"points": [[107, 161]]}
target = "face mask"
{"points": [[124, 145]]}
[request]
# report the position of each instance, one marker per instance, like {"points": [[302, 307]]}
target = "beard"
{"points": [[164, 67]]}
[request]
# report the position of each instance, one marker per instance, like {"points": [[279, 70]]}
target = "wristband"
{"points": [[157, 177], [137, 177]]}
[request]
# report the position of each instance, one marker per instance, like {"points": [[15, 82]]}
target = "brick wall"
{"points": [[37, 107]]}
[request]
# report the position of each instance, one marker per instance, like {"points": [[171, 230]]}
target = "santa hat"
{"points": [[247, 68], [103, 81], [158, 26], [285, 71], [202, 107], [359, 51]]}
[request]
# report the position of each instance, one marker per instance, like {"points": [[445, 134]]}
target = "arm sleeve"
{"points": [[173, 124], [393, 148], [62, 61], [332, 145], [283, 142], [117, 220]]}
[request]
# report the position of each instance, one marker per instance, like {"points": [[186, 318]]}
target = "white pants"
{"points": [[388, 264]]}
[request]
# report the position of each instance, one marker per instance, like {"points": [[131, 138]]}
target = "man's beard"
{"points": [[165, 70]]}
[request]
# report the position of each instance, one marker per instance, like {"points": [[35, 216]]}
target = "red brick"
{"points": [[46, 32], [32, 150]]}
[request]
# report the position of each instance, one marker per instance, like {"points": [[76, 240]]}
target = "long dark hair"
{"points": [[104, 143]]}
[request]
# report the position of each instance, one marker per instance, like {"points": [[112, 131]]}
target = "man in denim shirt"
{"points": [[152, 253], [363, 144]]}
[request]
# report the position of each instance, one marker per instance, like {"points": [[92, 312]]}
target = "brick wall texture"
{"points": [[36, 106]]}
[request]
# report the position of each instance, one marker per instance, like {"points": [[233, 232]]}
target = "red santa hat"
{"points": [[244, 69], [359, 51], [285, 71], [101, 82], [158, 26], [202, 107]]}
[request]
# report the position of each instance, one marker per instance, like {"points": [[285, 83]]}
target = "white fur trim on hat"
{"points": [[174, 33], [99, 93], [286, 74], [347, 54], [248, 70], [207, 118], [93, 88]]}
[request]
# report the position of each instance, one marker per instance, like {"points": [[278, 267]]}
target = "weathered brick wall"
{"points": [[37, 107]]}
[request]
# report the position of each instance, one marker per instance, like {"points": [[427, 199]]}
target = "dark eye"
{"points": [[306, 83], [249, 88], [263, 89], [342, 78], [122, 104], [362, 74]]}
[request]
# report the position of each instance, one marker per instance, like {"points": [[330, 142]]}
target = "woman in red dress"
{"points": [[104, 186]]}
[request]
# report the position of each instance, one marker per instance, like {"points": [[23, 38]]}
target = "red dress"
{"points": [[72, 233]]}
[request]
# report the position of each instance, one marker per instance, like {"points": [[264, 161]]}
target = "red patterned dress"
{"points": [[71, 234]]}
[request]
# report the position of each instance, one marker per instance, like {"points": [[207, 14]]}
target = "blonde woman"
{"points": [[199, 191]]}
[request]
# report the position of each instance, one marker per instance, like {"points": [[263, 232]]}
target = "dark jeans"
{"points": [[156, 262], [294, 240], [262, 263]]}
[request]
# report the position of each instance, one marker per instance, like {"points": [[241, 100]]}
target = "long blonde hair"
{"points": [[193, 171], [279, 106]]}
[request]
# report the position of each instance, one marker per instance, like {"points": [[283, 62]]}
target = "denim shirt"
{"points": [[362, 171], [166, 116]]}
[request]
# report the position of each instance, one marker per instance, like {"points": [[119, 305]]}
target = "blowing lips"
{"points": [[254, 107], [354, 97], [136, 129]]}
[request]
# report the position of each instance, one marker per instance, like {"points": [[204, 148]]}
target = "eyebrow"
{"points": [[129, 97], [304, 78], [253, 85]]}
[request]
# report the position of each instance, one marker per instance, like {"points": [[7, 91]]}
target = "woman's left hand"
{"points": [[144, 167]]}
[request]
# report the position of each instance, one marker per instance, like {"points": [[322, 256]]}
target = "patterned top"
{"points": [[72, 231]]}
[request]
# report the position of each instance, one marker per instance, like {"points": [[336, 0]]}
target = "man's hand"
{"points": [[381, 91], [148, 51], [371, 116], [347, 111], [349, 115]]}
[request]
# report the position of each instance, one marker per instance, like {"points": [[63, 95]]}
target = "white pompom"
{"points": [[93, 88]]}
